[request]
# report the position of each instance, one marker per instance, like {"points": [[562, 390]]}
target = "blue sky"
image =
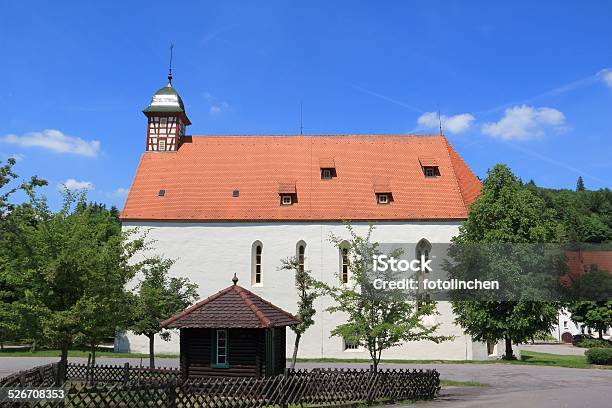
{"points": [[528, 83]]}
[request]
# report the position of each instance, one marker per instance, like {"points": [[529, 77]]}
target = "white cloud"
{"points": [[453, 124], [525, 122], [606, 76], [218, 108], [55, 141], [17, 156], [72, 184], [120, 192]]}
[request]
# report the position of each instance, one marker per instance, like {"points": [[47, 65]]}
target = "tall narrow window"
{"points": [[300, 255], [344, 263], [423, 249], [256, 275], [162, 145], [221, 355], [422, 252]]}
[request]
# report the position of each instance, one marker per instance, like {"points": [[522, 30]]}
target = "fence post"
{"points": [[171, 396], [55, 371], [126, 373]]}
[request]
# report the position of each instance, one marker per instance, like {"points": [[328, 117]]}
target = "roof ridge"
{"points": [[449, 149], [331, 135], [195, 306], [455, 178], [244, 295], [272, 305]]}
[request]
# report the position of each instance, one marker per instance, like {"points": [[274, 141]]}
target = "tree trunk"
{"points": [[600, 334], [63, 362], [93, 354], [509, 354], [151, 350], [295, 350]]}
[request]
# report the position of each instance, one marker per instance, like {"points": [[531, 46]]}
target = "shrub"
{"points": [[601, 356], [593, 343]]}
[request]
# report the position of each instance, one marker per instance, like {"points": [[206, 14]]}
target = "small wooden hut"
{"points": [[232, 333]]}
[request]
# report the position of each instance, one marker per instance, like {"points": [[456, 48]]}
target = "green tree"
{"points": [[593, 307], [307, 294], [580, 184], [70, 264], [158, 296], [506, 212], [377, 319], [596, 315], [11, 299]]}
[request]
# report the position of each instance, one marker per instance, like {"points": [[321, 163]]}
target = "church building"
{"points": [[221, 205]]}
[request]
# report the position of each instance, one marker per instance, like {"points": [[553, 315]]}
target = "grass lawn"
{"points": [[76, 353], [454, 383], [527, 358]]}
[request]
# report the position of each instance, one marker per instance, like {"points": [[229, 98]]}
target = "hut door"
{"points": [[270, 342]]}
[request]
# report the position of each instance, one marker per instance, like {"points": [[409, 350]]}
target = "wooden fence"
{"points": [[41, 376], [124, 386]]}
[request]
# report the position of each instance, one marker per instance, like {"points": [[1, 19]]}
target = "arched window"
{"points": [[422, 252], [256, 263], [423, 249], [344, 262], [300, 252]]}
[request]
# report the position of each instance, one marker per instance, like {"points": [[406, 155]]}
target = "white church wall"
{"points": [[210, 253]]}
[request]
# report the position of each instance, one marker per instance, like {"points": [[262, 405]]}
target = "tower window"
{"points": [[257, 265], [286, 199], [162, 145]]}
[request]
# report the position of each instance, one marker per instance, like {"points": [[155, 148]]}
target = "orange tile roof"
{"points": [[199, 179]]}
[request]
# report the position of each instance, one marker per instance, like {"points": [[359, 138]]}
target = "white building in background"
{"points": [[221, 205]]}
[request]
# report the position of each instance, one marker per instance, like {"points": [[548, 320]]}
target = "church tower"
{"points": [[166, 119]]}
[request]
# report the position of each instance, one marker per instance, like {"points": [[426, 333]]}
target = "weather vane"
{"points": [[170, 68]]}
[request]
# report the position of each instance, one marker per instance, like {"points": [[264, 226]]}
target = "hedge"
{"points": [[601, 356]]}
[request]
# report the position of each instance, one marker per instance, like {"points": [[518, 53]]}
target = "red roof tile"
{"points": [[233, 307], [286, 188], [200, 177], [327, 163], [579, 263], [428, 162]]}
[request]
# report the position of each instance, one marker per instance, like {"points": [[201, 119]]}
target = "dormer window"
{"points": [[328, 168], [382, 189], [287, 193], [429, 166], [383, 198], [286, 199]]}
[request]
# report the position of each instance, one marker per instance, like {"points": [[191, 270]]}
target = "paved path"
{"points": [[563, 349], [513, 386]]}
